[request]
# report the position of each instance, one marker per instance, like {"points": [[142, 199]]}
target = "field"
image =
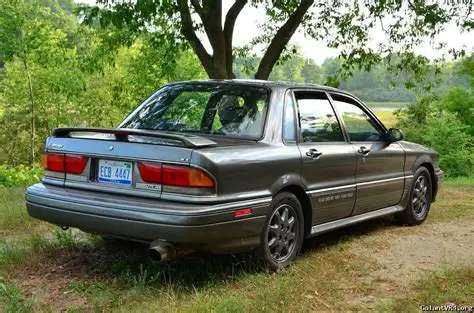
{"points": [[388, 118], [393, 105], [376, 265]]}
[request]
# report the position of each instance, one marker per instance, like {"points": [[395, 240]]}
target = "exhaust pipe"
{"points": [[161, 250]]}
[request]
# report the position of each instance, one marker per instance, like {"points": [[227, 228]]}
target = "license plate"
{"points": [[115, 172]]}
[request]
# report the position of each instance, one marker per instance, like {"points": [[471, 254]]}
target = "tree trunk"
{"points": [[219, 64], [281, 39], [32, 111]]}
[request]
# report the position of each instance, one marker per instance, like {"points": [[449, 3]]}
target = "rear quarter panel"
{"points": [[250, 171], [254, 169]]}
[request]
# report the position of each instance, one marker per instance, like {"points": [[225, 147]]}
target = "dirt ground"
{"points": [[398, 257]]}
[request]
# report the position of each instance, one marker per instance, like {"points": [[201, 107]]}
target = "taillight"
{"points": [[71, 164], [186, 177], [75, 164], [54, 162], [150, 172], [174, 175]]}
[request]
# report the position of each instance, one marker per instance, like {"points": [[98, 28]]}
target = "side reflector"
{"points": [[243, 212]]}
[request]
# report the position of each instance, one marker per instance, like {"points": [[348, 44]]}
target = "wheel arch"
{"points": [[305, 201], [434, 182]]}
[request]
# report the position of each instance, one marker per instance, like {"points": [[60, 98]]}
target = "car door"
{"points": [[379, 177], [328, 160]]}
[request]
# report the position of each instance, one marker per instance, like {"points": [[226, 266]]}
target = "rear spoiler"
{"points": [[121, 134]]}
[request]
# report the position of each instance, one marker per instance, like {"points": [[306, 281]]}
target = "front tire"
{"points": [[419, 202], [283, 233]]}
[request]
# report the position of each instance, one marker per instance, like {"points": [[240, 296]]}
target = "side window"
{"points": [[289, 126], [359, 125], [317, 118]]}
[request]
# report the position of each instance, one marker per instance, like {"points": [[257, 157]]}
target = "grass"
{"points": [[14, 217], [388, 118], [450, 286], [395, 105], [54, 270], [458, 195], [12, 209], [14, 299]]}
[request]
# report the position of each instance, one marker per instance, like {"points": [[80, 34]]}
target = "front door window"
{"points": [[359, 125]]}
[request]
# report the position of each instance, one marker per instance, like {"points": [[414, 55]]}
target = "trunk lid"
{"points": [[113, 156]]}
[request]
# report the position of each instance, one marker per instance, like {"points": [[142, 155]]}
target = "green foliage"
{"points": [[21, 175], [59, 73], [444, 124], [14, 299], [460, 102], [344, 25], [377, 85]]}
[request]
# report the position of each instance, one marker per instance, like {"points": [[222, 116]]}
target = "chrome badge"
{"points": [[111, 148]]}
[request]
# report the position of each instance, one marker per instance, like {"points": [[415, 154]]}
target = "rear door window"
{"points": [[318, 121]]}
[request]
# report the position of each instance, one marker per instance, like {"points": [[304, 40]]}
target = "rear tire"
{"points": [[419, 201], [283, 233]]}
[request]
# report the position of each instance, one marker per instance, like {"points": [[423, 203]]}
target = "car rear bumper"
{"points": [[207, 226]]}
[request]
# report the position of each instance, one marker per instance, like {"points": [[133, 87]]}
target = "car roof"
{"points": [[265, 83]]}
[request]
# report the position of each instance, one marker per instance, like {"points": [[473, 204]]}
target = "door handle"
{"points": [[313, 153], [363, 150]]}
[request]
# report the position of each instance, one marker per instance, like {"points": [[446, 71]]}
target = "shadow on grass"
{"points": [[128, 264]]}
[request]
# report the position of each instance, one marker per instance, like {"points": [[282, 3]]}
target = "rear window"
{"points": [[215, 109]]}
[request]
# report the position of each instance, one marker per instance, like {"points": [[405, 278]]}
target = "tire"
{"points": [[283, 233], [419, 202]]}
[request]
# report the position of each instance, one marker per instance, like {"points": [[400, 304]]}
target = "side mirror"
{"points": [[395, 134]]}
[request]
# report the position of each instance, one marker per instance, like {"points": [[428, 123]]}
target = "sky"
{"points": [[250, 17]]}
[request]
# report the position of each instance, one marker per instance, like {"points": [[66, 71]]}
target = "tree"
{"points": [[55, 72], [345, 25], [30, 34]]}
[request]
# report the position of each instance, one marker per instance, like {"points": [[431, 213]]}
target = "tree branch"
{"points": [[281, 39], [211, 16], [229, 24], [188, 32], [197, 6]]}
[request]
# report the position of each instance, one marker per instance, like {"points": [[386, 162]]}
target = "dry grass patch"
{"points": [[374, 265], [449, 286]]}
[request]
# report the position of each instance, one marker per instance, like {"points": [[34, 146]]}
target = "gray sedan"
{"points": [[233, 165]]}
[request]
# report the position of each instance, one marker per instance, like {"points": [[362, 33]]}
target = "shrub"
{"points": [[441, 124], [21, 175]]}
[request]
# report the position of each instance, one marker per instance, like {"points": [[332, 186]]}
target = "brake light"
{"points": [[54, 162], [150, 172], [71, 164], [183, 176], [75, 164], [174, 175]]}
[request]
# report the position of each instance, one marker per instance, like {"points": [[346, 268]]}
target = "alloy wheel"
{"points": [[281, 233], [420, 197]]}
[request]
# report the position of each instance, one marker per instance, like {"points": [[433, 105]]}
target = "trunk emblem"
{"points": [[111, 148]]}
